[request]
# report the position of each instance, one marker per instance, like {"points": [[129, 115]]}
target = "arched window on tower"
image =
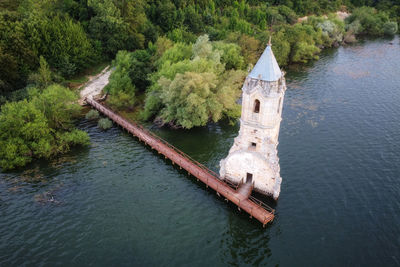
{"points": [[256, 106], [279, 105]]}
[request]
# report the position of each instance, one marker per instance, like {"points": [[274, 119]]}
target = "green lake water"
{"points": [[117, 203]]}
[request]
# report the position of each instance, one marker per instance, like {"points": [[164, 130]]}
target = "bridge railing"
{"points": [[122, 120], [230, 184], [183, 154]]}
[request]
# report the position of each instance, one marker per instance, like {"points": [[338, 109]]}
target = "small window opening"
{"points": [[253, 145], [257, 106], [279, 105], [249, 178]]}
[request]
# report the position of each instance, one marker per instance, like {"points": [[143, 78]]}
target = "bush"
{"points": [[231, 55], [40, 127], [331, 30], [354, 27], [372, 22], [120, 87], [390, 28], [19, 94], [92, 115], [191, 89], [180, 35], [3, 100], [122, 100], [303, 52], [105, 124], [62, 42]]}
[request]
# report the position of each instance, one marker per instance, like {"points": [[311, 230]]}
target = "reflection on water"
{"points": [[119, 203], [244, 245]]}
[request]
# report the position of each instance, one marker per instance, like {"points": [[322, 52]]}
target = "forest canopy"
{"points": [[72, 35], [180, 63]]}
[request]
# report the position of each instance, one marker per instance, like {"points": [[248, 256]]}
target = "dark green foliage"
{"points": [[104, 124], [390, 28], [92, 115], [140, 68], [71, 35], [62, 42], [181, 35], [193, 84], [120, 87], [41, 127], [10, 5], [17, 58], [43, 77], [230, 55], [372, 22]]}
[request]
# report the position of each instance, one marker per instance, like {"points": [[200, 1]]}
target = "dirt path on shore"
{"points": [[95, 85]]}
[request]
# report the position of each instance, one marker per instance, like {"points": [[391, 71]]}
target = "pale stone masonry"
{"points": [[254, 156]]}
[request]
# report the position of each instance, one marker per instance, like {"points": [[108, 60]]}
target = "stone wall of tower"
{"points": [[255, 148]]}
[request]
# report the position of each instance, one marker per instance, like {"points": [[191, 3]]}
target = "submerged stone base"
{"points": [[245, 166]]}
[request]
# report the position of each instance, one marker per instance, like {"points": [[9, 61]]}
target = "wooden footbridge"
{"points": [[240, 195]]}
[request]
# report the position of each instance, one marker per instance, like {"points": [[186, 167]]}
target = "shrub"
{"points": [[331, 30], [92, 115], [40, 127], [354, 27], [191, 89], [373, 22], [390, 28], [104, 124], [231, 55], [3, 100], [181, 35], [120, 87]]}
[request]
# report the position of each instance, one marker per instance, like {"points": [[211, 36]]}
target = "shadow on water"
{"points": [[244, 243]]}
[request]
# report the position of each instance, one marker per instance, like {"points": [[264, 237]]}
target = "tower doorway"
{"points": [[249, 178], [256, 106]]}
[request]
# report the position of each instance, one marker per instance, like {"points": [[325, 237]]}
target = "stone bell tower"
{"points": [[254, 156]]}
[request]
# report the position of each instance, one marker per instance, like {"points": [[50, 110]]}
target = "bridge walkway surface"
{"points": [[245, 189], [239, 195]]}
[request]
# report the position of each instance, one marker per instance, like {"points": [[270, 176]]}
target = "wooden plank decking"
{"points": [[240, 197]]}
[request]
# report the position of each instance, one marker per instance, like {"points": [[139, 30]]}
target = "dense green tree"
{"points": [[39, 128], [181, 35], [24, 133], [371, 21], [62, 42], [192, 86], [230, 55], [120, 88], [164, 14], [390, 28], [16, 56], [43, 77], [10, 5], [77, 9], [281, 48], [250, 47], [140, 69], [59, 106], [193, 19], [111, 30], [192, 99]]}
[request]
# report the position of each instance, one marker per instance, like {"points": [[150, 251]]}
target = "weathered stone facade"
{"points": [[254, 156]]}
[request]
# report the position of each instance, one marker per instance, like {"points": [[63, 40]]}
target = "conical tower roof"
{"points": [[266, 69]]}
